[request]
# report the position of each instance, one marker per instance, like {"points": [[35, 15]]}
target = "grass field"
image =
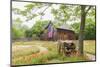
{"points": [[89, 46], [31, 52]]}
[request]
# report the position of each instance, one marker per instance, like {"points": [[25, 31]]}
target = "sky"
{"points": [[20, 5], [47, 16]]}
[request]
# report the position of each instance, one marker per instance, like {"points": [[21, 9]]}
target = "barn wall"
{"points": [[65, 35], [59, 35]]}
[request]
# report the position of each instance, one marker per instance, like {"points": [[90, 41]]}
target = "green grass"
{"points": [[22, 55]]}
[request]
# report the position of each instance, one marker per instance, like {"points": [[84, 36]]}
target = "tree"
{"points": [[31, 10], [82, 27], [61, 15], [18, 30], [28, 33], [66, 13], [90, 29], [39, 26], [17, 33]]}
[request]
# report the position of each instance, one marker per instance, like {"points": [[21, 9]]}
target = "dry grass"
{"points": [[24, 55], [89, 46], [20, 53]]}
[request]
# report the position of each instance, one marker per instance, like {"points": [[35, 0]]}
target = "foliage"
{"points": [[90, 30], [30, 10], [36, 30], [90, 26], [16, 33], [61, 15], [39, 26], [18, 30], [28, 33]]}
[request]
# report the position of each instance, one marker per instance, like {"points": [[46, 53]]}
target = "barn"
{"points": [[61, 33]]}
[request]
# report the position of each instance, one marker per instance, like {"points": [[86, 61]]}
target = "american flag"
{"points": [[50, 31]]}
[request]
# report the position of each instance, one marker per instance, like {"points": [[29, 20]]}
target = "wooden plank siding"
{"points": [[58, 34]]}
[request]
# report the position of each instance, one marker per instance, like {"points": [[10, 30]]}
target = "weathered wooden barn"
{"points": [[61, 33]]}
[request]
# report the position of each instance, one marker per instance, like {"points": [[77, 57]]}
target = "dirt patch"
{"points": [[43, 50]]}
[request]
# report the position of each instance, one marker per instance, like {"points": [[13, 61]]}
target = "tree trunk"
{"points": [[81, 33]]}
